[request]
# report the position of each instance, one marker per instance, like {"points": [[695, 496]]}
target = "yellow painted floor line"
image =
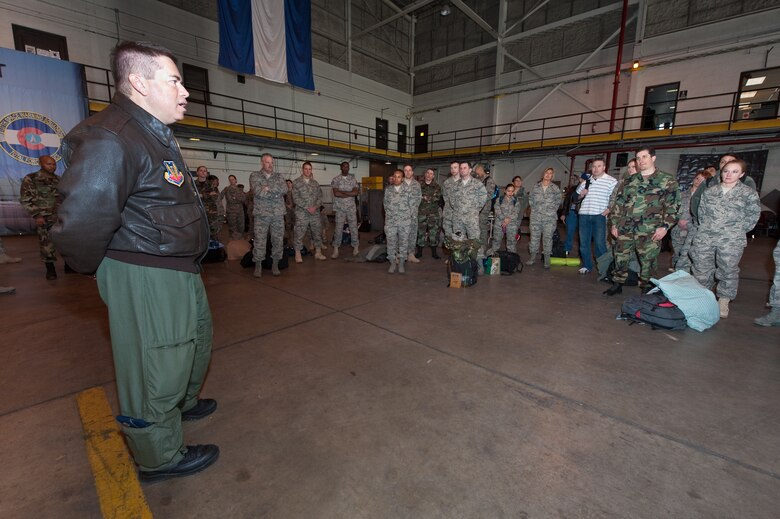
{"points": [[115, 474]]}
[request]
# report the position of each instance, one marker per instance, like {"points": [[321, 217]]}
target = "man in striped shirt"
{"points": [[596, 196]]}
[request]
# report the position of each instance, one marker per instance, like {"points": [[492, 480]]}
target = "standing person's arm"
{"points": [[95, 187]]}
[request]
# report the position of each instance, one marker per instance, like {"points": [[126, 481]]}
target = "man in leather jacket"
{"points": [[131, 214]]}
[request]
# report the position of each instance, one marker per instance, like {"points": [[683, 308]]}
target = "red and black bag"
{"points": [[655, 310]]}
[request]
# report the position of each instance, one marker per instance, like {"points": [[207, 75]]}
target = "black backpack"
{"points": [[655, 310], [510, 262], [467, 269]]}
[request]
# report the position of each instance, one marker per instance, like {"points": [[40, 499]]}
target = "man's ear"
{"points": [[139, 84]]}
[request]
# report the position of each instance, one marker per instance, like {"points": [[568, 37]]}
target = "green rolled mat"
{"points": [[565, 262]]}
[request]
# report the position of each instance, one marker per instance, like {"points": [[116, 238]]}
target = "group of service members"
{"points": [[707, 223]]}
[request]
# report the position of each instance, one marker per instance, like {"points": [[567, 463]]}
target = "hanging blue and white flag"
{"points": [[267, 38]]}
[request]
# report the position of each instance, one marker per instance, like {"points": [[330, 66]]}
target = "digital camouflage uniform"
{"points": [[506, 207], [724, 219], [234, 209], [39, 196], [398, 220], [484, 213], [429, 215], [644, 205], [684, 261], [467, 200], [269, 212], [774, 292], [447, 189], [289, 216], [544, 216], [307, 194], [679, 235], [415, 192], [210, 196], [345, 209]]}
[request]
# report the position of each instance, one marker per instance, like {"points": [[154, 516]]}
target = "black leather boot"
{"points": [[434, 254], [418, 252], [616, 288], [50, 272]]}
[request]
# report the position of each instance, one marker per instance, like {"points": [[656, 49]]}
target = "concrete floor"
{"points": [[346, 392]]}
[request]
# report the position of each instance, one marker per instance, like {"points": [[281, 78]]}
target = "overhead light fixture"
{"points": [[445, 10], [194, 139], [635, 65], [748, 95], [314, 154], [755, 81], [388, 162]]}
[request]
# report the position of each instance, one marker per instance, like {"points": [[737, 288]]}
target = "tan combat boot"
{"points": [[298, 258], [724, 307], [318, 254], [335, 253], [258, 270], [411, 259]]}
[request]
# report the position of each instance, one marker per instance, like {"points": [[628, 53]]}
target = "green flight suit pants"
{"points": [[161, 336]]}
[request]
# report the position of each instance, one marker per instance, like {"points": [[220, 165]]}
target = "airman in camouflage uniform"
{"points": [[484, 214], [726, 213], [234, 208], [447, 188], [414, 208], [773, 317], [249, 211], [214, 209], [713, 178], [289, 215], [307, 197], [545, 200], [39, 196], [398, 202], [642, 214], [345, 189], [468, 198], [680, 243], [269, 188], [429, 214], [506, 221]]}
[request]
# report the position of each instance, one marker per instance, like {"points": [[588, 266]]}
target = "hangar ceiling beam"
{"points": [[475, 17], [582, 64], [406, 10], [527, 15], [525, 34]]}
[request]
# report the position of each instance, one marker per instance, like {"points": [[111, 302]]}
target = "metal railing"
{"points": [[716, 114]]}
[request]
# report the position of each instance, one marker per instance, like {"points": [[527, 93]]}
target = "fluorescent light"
{"points": [[755, 81], [748, 95], [314, 154], [194, 139], [388, 162]]}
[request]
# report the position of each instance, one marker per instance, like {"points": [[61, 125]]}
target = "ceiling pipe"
{"points": [[618, 66]]}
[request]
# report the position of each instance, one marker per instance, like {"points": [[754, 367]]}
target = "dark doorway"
{"points": [[421, 138], [381, 133], [401, 138], [40, 43], [660, 106]]}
